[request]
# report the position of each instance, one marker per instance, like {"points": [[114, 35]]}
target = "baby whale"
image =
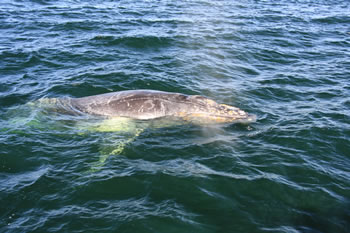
{"points": [[151, 104]]}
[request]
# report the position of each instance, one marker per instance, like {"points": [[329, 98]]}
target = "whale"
{"points": [[118, 118], [152, 104]]}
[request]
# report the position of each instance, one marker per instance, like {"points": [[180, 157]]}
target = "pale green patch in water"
{"points": [[126, 131], [112, 145], [116, 124]]}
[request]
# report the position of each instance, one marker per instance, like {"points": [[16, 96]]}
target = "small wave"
{"points": [[331, 20], [12, 183], [136, 42]]}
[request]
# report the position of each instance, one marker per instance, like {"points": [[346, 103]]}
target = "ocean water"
{"points": [[287, 62]]}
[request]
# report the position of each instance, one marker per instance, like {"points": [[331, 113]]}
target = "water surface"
{"points": [[285, 61]]}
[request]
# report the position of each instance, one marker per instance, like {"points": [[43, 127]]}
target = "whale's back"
{"points": [[138, 104]]}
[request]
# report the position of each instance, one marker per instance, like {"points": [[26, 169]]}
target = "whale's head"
{"points": [[206, 111]]}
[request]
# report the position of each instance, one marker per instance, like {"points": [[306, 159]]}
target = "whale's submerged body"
{"points": [[149, 104]]}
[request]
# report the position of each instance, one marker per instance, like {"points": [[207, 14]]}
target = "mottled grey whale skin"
{"points": [[150, 104]]}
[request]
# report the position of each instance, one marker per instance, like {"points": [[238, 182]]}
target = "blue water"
{"points": [[285, 61]]}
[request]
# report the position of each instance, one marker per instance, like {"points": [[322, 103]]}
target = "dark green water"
{"points": [[288, 62]]}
